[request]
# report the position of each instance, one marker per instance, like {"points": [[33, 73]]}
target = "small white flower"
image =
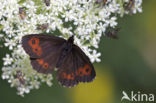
{"points": [[113, 22], [27, 90], [5, 76], [1, 35], [10, 43], [7, 60], [95, 56]]}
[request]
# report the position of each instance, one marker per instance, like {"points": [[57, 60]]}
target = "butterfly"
{"points": [[47, 52]]}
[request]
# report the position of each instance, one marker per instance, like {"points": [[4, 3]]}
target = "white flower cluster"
{"points": [[86, 19], [21, 75]]}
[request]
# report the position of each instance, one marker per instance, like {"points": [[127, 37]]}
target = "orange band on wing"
{"points": [[86, 70], [68, 76], [45, 65], [40, 61]]}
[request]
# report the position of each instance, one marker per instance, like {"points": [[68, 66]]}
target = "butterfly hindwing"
{"points": [[66, 72], [47, 63], [84, 70], [44, 51], [76, 67]]}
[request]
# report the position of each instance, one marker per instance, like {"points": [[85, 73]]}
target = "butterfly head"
{"points": [[71, 39]]}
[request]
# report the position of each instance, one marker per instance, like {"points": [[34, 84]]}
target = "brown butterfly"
{"points": [[47, 52]]}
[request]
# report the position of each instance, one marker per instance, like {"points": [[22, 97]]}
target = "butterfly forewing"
{"points": [[38, 45], [44, 51]]}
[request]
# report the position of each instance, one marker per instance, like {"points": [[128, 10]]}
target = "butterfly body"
{"points": [[47, 52], [66, 49]]}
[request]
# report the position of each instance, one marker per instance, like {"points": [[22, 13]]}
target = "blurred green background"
{"points": [[128, 64]]}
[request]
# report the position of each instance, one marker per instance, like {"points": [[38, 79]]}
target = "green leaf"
{"points": [[21, 1], [1, 27], [38, 2]]}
